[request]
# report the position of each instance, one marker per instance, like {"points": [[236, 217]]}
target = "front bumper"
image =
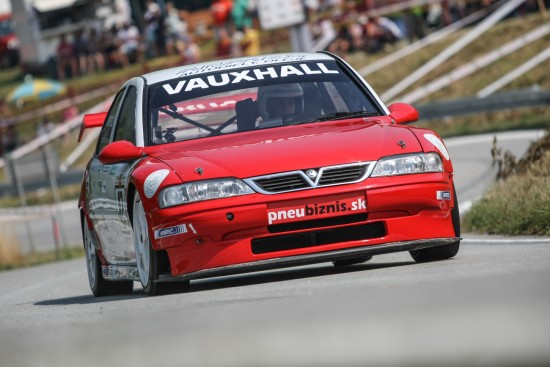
{"points": [[126, 272], [206, 239]]}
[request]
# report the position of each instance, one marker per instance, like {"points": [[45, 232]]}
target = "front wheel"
{"points": [[99, 286], [150, 263], [441, 252]]}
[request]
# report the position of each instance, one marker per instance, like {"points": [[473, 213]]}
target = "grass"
{"points": [[520, 205], [42, 196], [18, 260], [11, 256]]}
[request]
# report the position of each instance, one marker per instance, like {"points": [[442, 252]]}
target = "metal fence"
{"points": [[473, 105]]}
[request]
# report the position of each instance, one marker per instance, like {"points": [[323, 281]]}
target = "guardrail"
{"points": [[495, 102]]}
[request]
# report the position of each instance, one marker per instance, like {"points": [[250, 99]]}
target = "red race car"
{"points": [[9, 43], [258, 163]]}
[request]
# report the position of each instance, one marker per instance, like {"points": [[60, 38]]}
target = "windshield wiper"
{"points": [[339, 116]]}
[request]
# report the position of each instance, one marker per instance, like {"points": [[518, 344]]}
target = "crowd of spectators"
{"points": [[234, 27], [359, 31], [164, 32]]}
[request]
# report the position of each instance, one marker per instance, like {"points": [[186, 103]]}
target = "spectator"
{"points": [[341, 45], [130, 47], [152, 23], [250, 44], [414, 24], [96, 60], [374, 36], [176, 27], [356, 33], [44, 127], [110, 47], [236, 43], [240, 14], [220, 10], [223, 45], [190, 52], [70, 112], [80, 51], [392, 33], [65, 58], [160, 35], [10, 139]]}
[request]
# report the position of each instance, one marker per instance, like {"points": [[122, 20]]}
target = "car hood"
{"points": [[286, 149]]}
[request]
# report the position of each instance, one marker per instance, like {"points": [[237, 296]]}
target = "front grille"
{"points": [[334, 176], [282, 183], [299, 180], [318, 238]]}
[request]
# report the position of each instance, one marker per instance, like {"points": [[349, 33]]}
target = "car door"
{"points": [[110, 182]]}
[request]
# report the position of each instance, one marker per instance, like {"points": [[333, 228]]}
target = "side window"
{"points": [[125, 128], [105, 134]]}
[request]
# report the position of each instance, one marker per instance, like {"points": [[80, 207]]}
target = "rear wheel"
{"points": [[99, 286], [150, 263], [441, 252]]}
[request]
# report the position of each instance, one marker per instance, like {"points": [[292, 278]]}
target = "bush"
{"points": [[519, 204]]}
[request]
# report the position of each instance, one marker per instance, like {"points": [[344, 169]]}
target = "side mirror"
{"points": [[91, 120], [403, 113], [120, 151]]}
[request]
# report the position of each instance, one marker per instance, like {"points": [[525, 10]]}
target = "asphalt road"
{"points": [[471, 159], [486, 307]]}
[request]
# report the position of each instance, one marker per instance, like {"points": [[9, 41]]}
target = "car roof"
{"points": [[231, 64]]}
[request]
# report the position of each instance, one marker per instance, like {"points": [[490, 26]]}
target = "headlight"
{"points": [[202, 190], [408, 164]]}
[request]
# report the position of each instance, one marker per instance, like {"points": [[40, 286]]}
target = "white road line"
{"points": [[517, 240], [473, 34], [514, 74], [475, 65]]}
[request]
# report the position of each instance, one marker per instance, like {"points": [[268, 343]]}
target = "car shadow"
{"points": [[233, 281], [90, 299], [280, 275]]}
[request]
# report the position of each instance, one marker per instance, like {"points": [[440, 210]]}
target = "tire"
{"points": [[99, 286], [441, 252], [348, 262], [150, 263]]}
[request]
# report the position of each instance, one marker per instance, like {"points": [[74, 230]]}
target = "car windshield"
{"points": [[228, 102]]}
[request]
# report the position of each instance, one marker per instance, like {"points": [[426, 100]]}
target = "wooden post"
{"points": [[59, 223], [12, 167]]}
